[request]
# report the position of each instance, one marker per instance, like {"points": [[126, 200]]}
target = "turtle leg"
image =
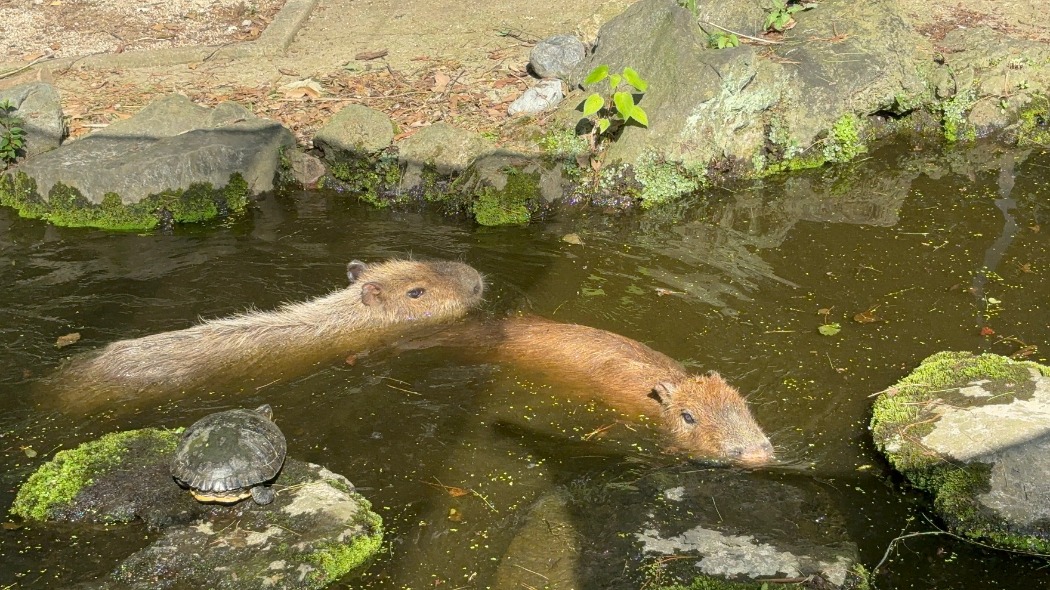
{"points": [[262, 495]]}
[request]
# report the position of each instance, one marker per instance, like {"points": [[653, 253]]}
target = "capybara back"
{"points": [[383, 301]]}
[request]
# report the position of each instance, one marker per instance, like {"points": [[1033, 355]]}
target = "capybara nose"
{"points": [[755, 455]]}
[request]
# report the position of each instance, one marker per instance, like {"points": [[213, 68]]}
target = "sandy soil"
{"points": [[461, 62]]}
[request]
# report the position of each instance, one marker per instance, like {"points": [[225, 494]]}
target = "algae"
{"points": [[57, 482], [66, 206], [1034, 124], [508, 206], [336, 560]]}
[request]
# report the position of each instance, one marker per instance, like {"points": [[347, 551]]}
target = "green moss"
{"points": [[844, 141], [65, 206], [1034, 124], [336, 560], [510, 205], [953, 116], [563, 144], [368, 176], [58, 481], [663, 182]]}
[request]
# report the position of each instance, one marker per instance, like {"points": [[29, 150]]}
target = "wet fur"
{"points": [[265, 344], [704, 415]]}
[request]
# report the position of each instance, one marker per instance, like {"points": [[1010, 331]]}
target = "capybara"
{"points": [[704, 416], [384, 301]]}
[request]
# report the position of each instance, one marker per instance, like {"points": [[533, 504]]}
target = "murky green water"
{"points": [[735, 281]]}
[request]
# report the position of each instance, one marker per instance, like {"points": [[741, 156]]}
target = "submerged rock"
{"points": [[316, 531], [974, 431]]}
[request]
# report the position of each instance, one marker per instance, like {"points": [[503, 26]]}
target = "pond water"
{"points": [[909, 252]]}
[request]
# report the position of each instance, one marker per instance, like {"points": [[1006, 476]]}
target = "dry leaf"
{"points": [[64, 341], [302, 88], [441, 81]]}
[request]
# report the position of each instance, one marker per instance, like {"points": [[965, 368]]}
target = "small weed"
{"points": [[613, 112], [780, 17], [12, 136], [722, 39]]}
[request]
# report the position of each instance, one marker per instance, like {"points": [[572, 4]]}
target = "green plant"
{"points": [[722, 39], [12, 136], [615, 111], [780, 16], [690, 5]]}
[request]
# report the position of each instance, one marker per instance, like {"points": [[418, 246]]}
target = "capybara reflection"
{"points": [[705, 417], [383, 301]]}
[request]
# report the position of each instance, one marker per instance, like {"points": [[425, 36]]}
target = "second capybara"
{"points": [[704, 416], [383, 301]]}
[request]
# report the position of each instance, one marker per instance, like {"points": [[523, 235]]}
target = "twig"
{"points": [[759, 39], [27, 66]]}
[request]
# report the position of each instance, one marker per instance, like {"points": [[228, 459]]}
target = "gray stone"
{"points": [[306, 169], [542, 97], [974, 431], [40, 108], [709, 105], [548, 525], [442, 148], [355, 130], [557, 56], [170, 145]]}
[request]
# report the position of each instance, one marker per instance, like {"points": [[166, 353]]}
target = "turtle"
{"points": [[225, 457]]}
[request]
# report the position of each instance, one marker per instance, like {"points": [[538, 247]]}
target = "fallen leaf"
{"points": [[572, 239], [370, 55], [441, 81], [868, 316], [829, 329], [29, 452], [986, 331], [64, 341], [302, 88]]}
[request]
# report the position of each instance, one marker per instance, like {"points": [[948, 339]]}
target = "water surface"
{"points": [[909, 252]]}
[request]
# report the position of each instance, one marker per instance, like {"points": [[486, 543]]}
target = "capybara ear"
{"points": [[354, 270], [371, 294], [265, 410], [713, 374], [663, 392]]}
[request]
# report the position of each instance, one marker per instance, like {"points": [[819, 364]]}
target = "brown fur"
{"points": [[704, 416], [379, 304]]}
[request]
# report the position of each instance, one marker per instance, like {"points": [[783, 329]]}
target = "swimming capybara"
{"points": [[704, 416], [383, 301]]}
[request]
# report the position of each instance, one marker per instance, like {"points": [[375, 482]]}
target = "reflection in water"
{"points": [[747, 273]]}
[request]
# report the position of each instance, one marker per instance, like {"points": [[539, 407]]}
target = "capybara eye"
{"points": [[417, 292], [688, 418]]}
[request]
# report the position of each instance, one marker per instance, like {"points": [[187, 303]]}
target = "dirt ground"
{"points": [[460, 62]]}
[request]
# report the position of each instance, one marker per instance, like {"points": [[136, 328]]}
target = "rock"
{"points": [[736, 104], [743, 531], [193, 162], [557, 56], [305, 169], [439, 148], [542, 97], [355, 130], [503, 188], [972, 430], [40, 108], [548, 525], [316, 530]]}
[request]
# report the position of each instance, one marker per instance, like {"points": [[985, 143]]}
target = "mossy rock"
{"points": [[316, 531], [974, 431]]}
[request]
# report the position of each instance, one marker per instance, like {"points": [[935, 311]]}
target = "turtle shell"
{"points": [[223, 455]]}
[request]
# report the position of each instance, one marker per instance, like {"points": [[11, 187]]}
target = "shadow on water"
{"points": [[908, 252]]}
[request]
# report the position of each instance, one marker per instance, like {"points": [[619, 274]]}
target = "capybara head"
{"points": [[407, 290], [709, 419]]}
